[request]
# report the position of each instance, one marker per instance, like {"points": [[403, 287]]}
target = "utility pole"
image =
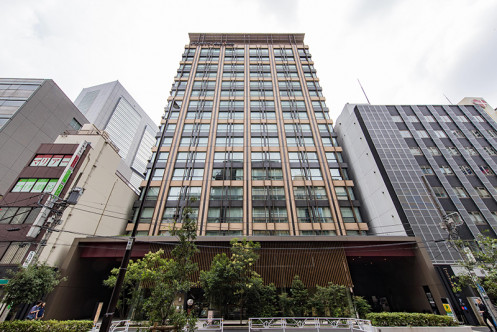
{"points": [[109, 314], [55, 207], [452, 227]]}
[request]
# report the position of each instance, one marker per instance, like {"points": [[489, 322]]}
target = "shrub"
{"points": [[409, 319], [46, 325]]}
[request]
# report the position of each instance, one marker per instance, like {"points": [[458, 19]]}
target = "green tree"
{"points": [[285, 304], [480, 254], [161, 278], [362, 306], [299, 298], [261, 300], [229, 280], [332, 301], [30, 284], [218, 283]]}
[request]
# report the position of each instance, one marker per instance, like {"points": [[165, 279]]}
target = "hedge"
{"points": [[46, 325], [409, 319]]}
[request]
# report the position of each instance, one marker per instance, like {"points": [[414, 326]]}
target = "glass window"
{"points": [[457, 133], [306, 174], [471, 151], [350, 215], [310, 193], [344, 193], [446, 170], [50, 185], [226, 193], [405, 133], [482, 192], [188, 174], [264, 141], [228, 156], [265, 193], [313, 214], [416, 151], [75, 124], [434, 151], [28, 185], [163, 156], [225, 215], [227, 174], [229, 141], [266, 156], [460, 192], [146, 215], [492, 132], [152, 193], [15, 253], [426, 169], [6, 214], [267, 174], [39, 185], [439, 192], [477, 218], [453, 151], [466, 170], [269, 215], [485, 170], [490, 150], [173, 214], [21, 215], [158, 174], [339, 174], [440, 134]]}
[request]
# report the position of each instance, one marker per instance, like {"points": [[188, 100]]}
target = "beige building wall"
{"points": [[479, 101], [103, 208]]}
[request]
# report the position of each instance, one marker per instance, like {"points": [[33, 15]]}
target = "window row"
{"points": [[18, 215], [310, 214], [34, 185], [232, 173], [50, 160]]}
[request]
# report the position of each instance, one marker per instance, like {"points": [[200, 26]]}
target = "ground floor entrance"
{"points": [[392, 273]]}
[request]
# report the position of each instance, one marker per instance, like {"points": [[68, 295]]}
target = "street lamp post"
{"points": [[109, 314]]}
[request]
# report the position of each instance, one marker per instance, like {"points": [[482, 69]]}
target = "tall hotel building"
{"points": [[246, 132]]}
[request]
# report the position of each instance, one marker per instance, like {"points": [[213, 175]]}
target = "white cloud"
{"points": [[402, 51]]}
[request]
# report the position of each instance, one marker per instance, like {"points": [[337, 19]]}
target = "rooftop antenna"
{"points": [[448, 99], [365, 95]]}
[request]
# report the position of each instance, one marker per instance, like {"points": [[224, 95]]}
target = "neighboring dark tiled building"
{"points": [[415, 164]]}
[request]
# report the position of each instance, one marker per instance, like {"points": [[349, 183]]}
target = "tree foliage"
{"points": [[230, 279], [30, 284], [332, 301], [299, 298], [480, 255], [261, 300], [153, 282], [362, 306]]}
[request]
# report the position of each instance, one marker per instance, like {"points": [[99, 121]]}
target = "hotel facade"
{"points": [[247, 144]]}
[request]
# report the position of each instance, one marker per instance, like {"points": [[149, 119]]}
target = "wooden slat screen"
{"points": [[316, 263]]}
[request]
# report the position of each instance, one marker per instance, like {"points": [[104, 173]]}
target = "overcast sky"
{"points": [[403, 52]]}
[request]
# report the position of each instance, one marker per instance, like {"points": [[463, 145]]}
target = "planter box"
{"points": [[424, 329]]}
